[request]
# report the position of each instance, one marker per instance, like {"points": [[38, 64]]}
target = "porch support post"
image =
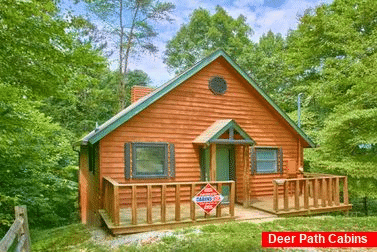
{"points": [[212, 172], [246, 178]]}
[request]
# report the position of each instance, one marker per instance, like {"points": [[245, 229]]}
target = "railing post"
{"points": [[297, 195], [330, 192], [21, 211], [306, 194], [275, 197], [116, 205], [106, 195], [232, 198], [192, 204], [286, 195], [324, 192], [337, 202], [177, 202], [163, 203], [134, 205], [345, 191], [316, 192], [149, 204], [218, 208]]}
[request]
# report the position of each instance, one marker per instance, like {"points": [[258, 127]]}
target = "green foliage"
{"points": [[205, 33], [332, 54], [46, 72], [95, 102], [267, 66], [138, 77], [33, 155], [30, 58]]}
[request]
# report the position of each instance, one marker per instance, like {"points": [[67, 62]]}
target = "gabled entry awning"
{"points": [[224, 132]]}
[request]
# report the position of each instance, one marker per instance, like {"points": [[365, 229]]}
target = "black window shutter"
{"points": [[92, 157], [253, 160], [95, 157], [172, 161], [127, 160], [280, 161]]}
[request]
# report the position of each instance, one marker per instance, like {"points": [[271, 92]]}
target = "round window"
{"points": [[217, 85]]}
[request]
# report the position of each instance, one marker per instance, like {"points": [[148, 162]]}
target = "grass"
{"points": [[235, 236], [61, 238]]}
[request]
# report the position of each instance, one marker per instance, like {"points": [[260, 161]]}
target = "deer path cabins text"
{"points": [[211, 123]]}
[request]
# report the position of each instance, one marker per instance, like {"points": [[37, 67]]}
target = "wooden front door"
{"points": [[225, 166]]}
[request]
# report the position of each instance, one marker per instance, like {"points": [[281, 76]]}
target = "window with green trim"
{"points": [[149, 160], [266, 160]]}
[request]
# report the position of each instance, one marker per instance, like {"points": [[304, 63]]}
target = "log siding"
{"points": [[185, 112]]}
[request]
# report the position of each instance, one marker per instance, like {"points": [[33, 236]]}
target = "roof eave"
{"points": [[152, 97], [140, 105]]}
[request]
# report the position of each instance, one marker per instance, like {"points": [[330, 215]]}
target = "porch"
{"points": [[313, 194], [132, 208]]}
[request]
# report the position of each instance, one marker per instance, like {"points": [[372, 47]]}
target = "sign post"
{"points": [[208, 198]]}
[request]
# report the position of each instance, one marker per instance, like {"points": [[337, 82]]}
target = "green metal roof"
{"points": [[218, 128], [135, 108]]}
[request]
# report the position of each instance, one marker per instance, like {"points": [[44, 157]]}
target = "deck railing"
{"points": [[315, 191], [159, 191]]}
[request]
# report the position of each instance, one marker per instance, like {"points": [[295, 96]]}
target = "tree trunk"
{"points": [[121, 85]]}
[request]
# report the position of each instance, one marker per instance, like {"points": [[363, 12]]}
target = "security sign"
{"points": [[208, 198]]}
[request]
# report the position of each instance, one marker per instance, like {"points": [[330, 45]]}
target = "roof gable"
{"points": [[135, 108]]}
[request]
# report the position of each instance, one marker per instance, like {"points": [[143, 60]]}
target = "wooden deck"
{"points": [[266, 204], [166, 205], [151, 206], [125, 226], [313, 194]]}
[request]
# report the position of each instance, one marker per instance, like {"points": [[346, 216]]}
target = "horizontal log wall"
{"points": [[188, 110]]}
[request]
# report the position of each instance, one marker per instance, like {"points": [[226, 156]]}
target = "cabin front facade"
{"points": [[211, 123]]}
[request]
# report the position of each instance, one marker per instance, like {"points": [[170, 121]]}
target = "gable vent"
{"points": [[217, 85]]}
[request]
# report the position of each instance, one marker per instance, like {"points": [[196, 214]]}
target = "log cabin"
{"points": [[210, 124]]}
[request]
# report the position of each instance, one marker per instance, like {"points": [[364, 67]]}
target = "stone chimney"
{"points": [[138, 92]]}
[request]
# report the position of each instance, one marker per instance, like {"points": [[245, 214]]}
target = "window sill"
{"points": [[266, 173], [150, 177]]}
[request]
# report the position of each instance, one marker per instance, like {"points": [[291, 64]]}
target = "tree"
{"points": [[36, 160], [138, 77], [42, 60], [265, 63], [135, 78], [205, 33], [30, 58], [332, 55], [130, 21]]}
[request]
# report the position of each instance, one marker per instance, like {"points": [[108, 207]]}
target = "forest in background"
{"points": [[56, 84]]}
